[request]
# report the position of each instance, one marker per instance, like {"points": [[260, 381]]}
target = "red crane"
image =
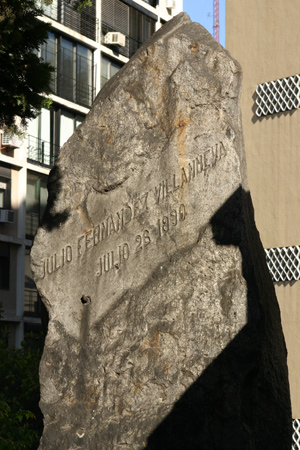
{"points": [[216, 20]]}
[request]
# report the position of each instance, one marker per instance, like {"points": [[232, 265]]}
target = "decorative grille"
{"points": [[284, 263], [296, 435], [277, 96]]}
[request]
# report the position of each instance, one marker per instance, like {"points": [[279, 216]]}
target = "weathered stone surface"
{"points": [[164, 328]]}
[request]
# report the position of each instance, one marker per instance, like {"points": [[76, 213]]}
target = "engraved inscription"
{"points": [[171, 220], [199, 164], [56, 261], [113, 259], [115, 223]]}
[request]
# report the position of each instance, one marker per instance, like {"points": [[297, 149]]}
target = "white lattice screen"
{"points": [[296, 435], [277, 96], [284, 263]]}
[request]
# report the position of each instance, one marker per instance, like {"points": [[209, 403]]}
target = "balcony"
{"points": [[74, 90], [41, 152], [73, 78], [84, 23]]}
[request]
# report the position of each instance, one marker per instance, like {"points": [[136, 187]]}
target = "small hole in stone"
{"points": [[85, 299]]}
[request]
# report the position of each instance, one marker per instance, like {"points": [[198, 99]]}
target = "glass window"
{"points": [[84, 75], [41, 137], [78, 120], [141, 28], [73, 79], [49, 10], [48, 53], [109, 68], [4, 265], [36, 200], [66, 126], [5, 187], [32, 299], [68, 123], [152, 2], [66, 75]]}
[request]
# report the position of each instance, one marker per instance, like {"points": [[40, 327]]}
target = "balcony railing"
{"points": [[71, 89], [77, 89], [85, 23], [41, 152]]}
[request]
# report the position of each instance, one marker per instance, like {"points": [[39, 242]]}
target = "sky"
{"points": [[202, 11]]}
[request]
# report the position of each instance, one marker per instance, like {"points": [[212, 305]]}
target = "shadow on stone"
{"points": [[51, 221], [240, 402]]}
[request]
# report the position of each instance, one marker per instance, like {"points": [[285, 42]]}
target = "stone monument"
{"points": [[164, 329]]}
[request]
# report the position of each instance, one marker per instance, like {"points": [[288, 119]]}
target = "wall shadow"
{"points": [[241, 401], [273, 116]]}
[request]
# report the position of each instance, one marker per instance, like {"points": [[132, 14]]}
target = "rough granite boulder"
{"points": [[164, 328]]}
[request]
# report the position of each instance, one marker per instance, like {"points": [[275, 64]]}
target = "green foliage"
{"points": [[21, 421], [24, 77], [15, 432], [78, 5]]}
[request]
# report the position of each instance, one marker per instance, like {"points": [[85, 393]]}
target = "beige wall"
{"points": [[288, 297], [264, 37]]}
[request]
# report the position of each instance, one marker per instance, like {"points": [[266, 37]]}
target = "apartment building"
{"points": [[86, 50], [263, 37]]}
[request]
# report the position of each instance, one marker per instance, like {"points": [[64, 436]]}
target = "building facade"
{"points": [[86, 50], [263, 37]]}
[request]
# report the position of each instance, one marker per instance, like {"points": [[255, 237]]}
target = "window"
{"points": [[48, 132], [68, 123], [73, 62], [4, 265], [152, 2], [41, 146], [32, 301], [138, 24], [141, 28], [63, 12], [49, 54], [66, 70], [109, 68], [5, 187], [36, 200], [83, 75]]}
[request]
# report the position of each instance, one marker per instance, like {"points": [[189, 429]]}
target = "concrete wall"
{"points": [[263, 37]]}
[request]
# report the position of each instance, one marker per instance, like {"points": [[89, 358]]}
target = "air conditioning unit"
{"points": [[171, 4], [7, 216], [10, 140], [115, 38]]}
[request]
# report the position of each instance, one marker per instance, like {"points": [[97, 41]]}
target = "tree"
{"points": [[21, 421], [25, 78]]}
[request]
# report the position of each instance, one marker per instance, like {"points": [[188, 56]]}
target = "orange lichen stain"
{"points": [[137, 386], [166, 369], [194, 47], [119, 407], [91, 396], [181, 126], [152, 344], [150, 347], [70, 400], [84, 219]]}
